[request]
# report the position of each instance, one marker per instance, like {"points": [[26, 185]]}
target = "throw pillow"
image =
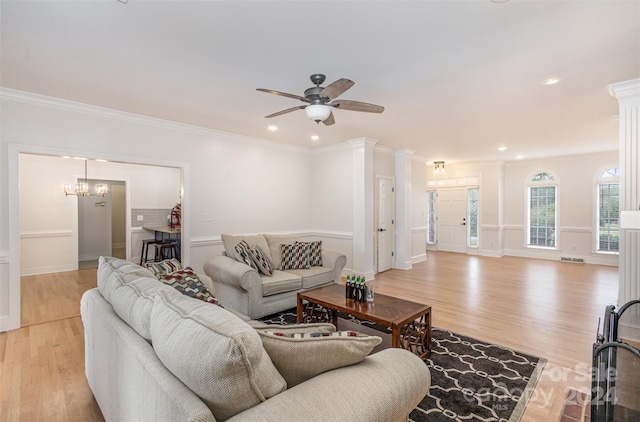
{"points": [[294, 256], [261, 260], [186, 281], [242, 254], [214, 353], [164, 267], [315, 252], [302, 356]]}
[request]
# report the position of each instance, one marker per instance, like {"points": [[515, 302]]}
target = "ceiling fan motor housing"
{"points": [[313, 95]]}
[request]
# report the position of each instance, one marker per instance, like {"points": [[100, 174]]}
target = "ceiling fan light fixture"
{"points": [[317, 112]]}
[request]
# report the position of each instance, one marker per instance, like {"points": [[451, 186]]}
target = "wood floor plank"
{"points": [[543, 308]]}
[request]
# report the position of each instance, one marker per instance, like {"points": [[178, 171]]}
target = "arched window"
{"points": [[542, 211], [608, 211]]}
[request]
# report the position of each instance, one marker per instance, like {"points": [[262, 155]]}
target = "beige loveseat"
{"points": [[154, 354], [239, 286]]}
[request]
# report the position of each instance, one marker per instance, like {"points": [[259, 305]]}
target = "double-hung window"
{"points": [[608, 211], [542, 211]]}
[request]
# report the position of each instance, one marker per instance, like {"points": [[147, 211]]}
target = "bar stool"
{"points": [[165, 250], [144, 255]]}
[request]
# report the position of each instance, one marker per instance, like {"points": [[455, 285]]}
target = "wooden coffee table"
{"points": [[410, 322]]}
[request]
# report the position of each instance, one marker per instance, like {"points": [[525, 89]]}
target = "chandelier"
{"points": [[82, 188]]}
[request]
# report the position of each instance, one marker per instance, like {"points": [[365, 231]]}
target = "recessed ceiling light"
{"points": [[100, 160], [519, 157], [499, 1], [273, 128], [551, 81], [502, 148], [315, 137]]}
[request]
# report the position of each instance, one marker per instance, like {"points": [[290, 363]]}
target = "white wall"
{"points": [[418, 210], [503, 203], [331, 207], [577, 176], [49, 219], [247, 185], [488, 176]]}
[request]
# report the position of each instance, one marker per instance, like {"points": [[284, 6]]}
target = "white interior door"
{"points": [[452, 219], [385, 227]]}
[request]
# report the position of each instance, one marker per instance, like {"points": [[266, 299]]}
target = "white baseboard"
{"points": [[419, 258], [629, 331], [92, 256], [4, 323], [554, 255], [492, 253], [47, 270]]}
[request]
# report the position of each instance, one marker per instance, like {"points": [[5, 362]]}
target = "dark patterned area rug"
{"points": [[470, 380]]}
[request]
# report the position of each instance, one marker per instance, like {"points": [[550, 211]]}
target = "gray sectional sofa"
{"points": [[154, 354], [240, 287]]}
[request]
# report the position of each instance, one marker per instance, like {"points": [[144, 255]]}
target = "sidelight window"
{"points": [[472, 232], [431, 216]]}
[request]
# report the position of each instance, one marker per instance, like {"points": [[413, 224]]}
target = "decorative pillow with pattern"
{"points": [[315, 252], [242, 254], [164, 267], [261, 260], [302, 356], [294, 256], [187, 282]]}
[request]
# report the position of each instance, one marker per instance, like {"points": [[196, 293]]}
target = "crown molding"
{"points": [[43, 100], [625, 90]]}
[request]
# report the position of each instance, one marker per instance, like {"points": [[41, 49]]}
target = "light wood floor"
{"points": [[544, 308]]}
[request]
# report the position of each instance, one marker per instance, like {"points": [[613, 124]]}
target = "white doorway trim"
{"points": [[12, 321]]}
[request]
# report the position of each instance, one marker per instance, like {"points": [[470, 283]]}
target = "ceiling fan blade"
{"points": [[329, 120], [289, 110], [357, 106], [284, 94], [336, 88]]}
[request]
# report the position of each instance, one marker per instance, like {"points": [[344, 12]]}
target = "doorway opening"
{"points": [[102, 225], [43, 223]]}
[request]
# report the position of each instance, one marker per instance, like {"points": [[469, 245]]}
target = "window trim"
{"points": [[550, 183], [598, 180]]}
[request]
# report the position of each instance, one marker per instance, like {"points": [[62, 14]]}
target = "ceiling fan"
{"points": [[321, 99]]}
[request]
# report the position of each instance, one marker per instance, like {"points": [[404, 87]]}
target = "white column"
{"points": [[628, 95], [403, 210], [363, 207]]}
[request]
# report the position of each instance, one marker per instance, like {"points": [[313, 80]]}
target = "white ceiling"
{"points": [[457, 79]]}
